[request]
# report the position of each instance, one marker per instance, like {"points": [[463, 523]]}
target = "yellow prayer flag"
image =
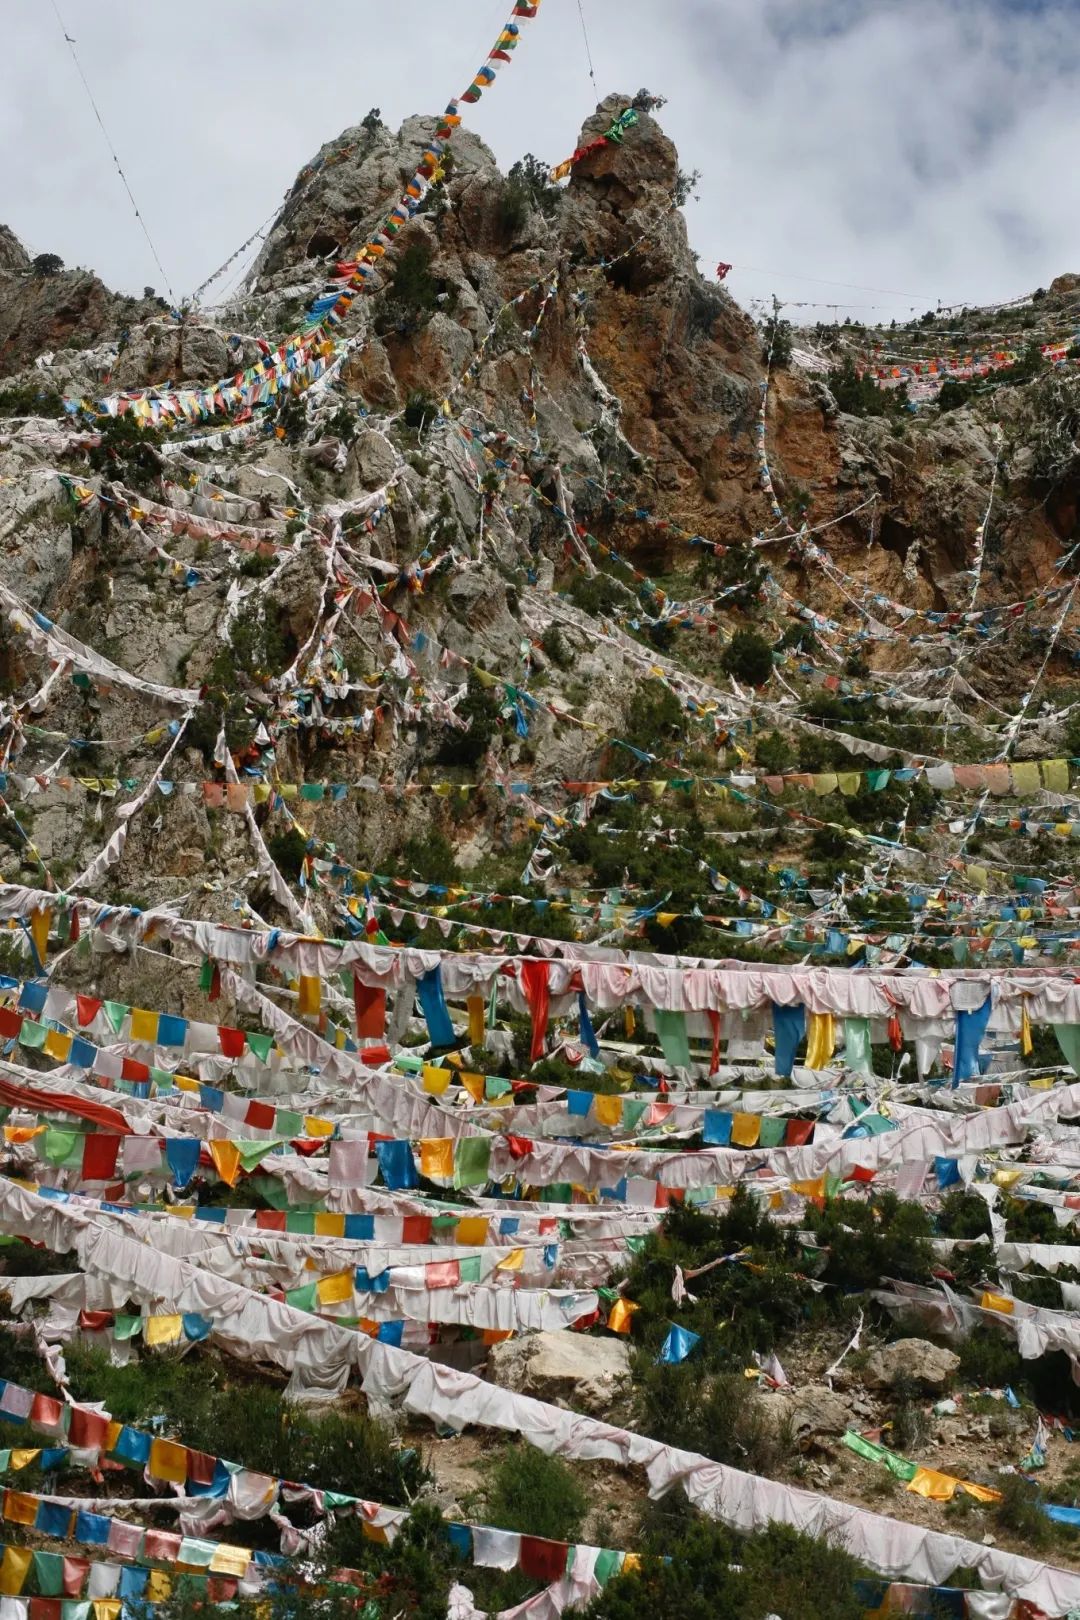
{"points": [[168, 1459], [229, 1560], [933, 1486], [998, 1302], [621, 1312], [144, 1025], [513, 1261], [310, 1000], [335, 1290], [13, 1570], [158, 1587], [608, 1110], [435, 1080], [106, 1608], [475, 1005], [57, 1046], [472, 1231], [23, 1456], [226, 1157], [328, 1224], [474, 1085], [1025, 1029], [745, 1130], [820, 1040], [162, 1330], [40, 919], [20, 1508], [313, 1126], [436, 1157]]}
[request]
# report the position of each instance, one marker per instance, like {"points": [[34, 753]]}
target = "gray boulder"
{"points": [[928, 1364], [568, 1369]]}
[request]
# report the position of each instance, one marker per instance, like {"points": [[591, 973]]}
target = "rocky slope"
{"points": [[565, 589]]}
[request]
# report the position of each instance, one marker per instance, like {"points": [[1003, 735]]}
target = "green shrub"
{"points": [[30, 401], [287, 851], [127, 450], [988, 1359], [710, 1573], [963, 1215], [598, 594], [1019, 1511], [748, 657], [553, 643], [414, 293], [528, 188], [883, 1238], [249, 1423], [538, 1495], [773, 754], [737, 569], [777, 337], [432, 858], [715, 1415], [859, 395], [293, 421], [21, 1362], [655, 718], [480, 707], [954, 393]]}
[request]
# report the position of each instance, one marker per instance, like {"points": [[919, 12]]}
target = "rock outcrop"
{"points": [[568, 1369]]}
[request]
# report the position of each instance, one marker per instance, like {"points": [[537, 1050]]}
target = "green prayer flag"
{"points": [[608, 1563], [253, 1153], [126, 1327], [674, 1041], [858, 1054], [469, 1269], [57, 1145], [302, 1299], [772, 1131], [1068, 1038], [261, 1045], [472, 1155], [115, 1012], [49, 1574], [32, 1035]]}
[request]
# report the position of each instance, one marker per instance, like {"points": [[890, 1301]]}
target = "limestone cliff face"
{"points": [[585, 365], [44, 313]]}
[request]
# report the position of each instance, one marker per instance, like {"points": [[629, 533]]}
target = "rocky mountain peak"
{"points": [[13, 256]]}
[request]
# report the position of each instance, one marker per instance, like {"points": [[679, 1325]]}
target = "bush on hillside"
{"points": [[748, 657], [527, 189], [710, 1573]]}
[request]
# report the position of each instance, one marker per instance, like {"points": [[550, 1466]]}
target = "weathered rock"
{"points": [[568, 1369], [812, 1413], [927, 1364], [13, 256]]}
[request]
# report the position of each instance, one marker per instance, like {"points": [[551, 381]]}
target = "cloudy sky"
{"points": [[877, 154]]}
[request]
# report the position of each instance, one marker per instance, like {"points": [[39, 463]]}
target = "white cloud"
{"points": [[916, 145]]}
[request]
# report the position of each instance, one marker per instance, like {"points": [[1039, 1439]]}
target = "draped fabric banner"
{"points": [[322, 1355]]}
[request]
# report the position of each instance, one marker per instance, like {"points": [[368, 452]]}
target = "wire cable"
{"points": [[588, 52], [108, 141]]}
